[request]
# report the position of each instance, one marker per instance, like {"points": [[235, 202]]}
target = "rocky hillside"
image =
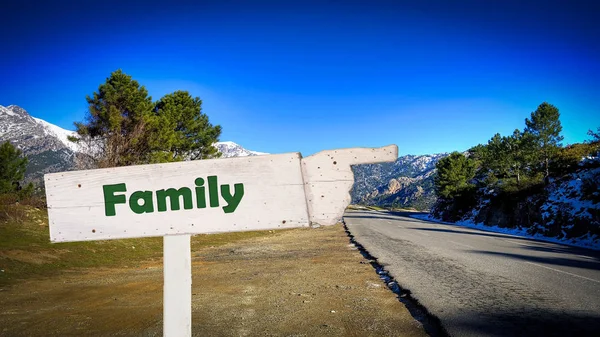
{"points": [[48, 149], [407, 182], [573, 200], [45, 145], [566, 210]]}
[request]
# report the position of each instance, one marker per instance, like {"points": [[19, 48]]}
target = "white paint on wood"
{"points": [[273, 198], [328, 178], [177, 293], [280, 191]]}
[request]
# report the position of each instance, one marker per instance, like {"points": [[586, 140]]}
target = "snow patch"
{"points": [[5, 111], [58, 132], [230, 149], [586, 241]]}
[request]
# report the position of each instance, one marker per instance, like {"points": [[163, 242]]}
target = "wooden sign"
{"points": [[205, 196], [176, 200]]}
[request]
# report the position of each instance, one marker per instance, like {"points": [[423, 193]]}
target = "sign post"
{"points": [[177, 200], [177, 288]]}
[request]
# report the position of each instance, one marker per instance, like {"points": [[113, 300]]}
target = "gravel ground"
{"points": [[302, 282]]}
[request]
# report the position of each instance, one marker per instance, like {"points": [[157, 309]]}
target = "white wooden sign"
{"points": [[176, 200], [205, 196]]}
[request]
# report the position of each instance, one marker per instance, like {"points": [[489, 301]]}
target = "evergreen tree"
{"points": [[594, 142], [115, 133], [478, 153], [480, 156], [12, 169], [497, 156], [503, 158], [595, 136], [124, 127], [454, 175], [518, 150], [544, 129], [181, 131]]}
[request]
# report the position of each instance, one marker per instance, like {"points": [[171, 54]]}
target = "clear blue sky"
{"points": [[280, 76]]}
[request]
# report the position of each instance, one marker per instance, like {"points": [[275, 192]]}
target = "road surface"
{"points": [[483, 283]]}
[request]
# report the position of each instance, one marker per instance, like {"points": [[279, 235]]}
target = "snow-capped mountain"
{"points": [[231, 149], [18, 126], [407, 182], [48, 149], [45, 145], [60, 133]]}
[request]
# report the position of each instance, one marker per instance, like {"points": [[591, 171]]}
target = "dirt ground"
{"points": [[301, 282]]}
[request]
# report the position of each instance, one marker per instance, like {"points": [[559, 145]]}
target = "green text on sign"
{"points": [[144, 201]]}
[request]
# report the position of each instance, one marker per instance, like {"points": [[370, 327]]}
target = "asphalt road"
{"points": [[483, 283]]}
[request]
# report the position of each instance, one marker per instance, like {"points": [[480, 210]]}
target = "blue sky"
{"points": [[282, 76]]}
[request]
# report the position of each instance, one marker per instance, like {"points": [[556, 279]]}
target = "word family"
{"points": [[150, 201]]}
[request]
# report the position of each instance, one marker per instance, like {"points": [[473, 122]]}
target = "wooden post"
{"points": [[177, 294]]}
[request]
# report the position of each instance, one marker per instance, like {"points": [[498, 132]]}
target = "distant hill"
{"points": [[405, 183]]}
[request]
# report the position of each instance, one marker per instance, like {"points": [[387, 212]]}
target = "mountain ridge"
{"points": [[404, 183]]}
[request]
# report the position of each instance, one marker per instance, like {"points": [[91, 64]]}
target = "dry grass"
{"points": [[26, 251]]}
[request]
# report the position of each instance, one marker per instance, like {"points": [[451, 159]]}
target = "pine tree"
{"points": [[115, 133], [544, 128], [480, 156], [124, 127], [12, 169], [181, 131], [497, 156], [512, 145], [478, 153], [595, 136], [594, 142], [454, 174], [518, 148]]}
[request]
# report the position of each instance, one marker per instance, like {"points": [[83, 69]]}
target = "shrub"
{"points": [[568, 158], [590, 188]]}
